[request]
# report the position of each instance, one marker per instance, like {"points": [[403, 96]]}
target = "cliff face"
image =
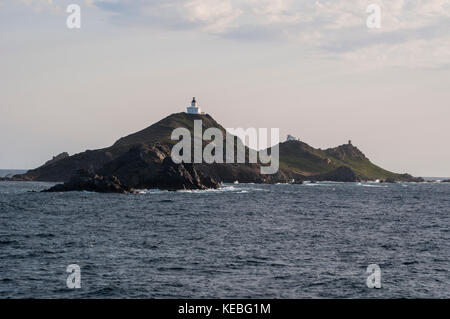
{"points": [[141, 160]]}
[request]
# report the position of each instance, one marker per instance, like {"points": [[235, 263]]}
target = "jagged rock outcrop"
{"points": [[152, 167], [345, 152], [64, 169], [181, 176], [406, 178], [87, 180], [142, 167]]}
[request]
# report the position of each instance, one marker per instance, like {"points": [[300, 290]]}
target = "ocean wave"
{"points": [[374, 186]]}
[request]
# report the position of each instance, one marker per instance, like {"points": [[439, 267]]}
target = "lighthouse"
{"points": [[194, 108]]}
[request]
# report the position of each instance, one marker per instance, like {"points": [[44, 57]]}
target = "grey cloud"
{"points": [[351, 39], [322, 26]]}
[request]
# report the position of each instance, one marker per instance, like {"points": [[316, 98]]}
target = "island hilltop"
{"points": [[142, 160]]}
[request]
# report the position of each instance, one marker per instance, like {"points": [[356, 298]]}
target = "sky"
{"points": [[314, 69]]}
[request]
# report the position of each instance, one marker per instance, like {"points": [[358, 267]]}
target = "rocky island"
{"points": [[142, 160]]}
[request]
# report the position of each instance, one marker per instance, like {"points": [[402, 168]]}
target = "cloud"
{"points": [[215, 16], [212, 16], [330, 28]]}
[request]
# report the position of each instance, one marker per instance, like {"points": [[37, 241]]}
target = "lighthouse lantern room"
{"points": [[194, 108]]}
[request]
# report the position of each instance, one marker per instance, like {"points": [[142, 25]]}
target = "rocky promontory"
{"points": [[87, 180], [143, 160], [141, 167]]}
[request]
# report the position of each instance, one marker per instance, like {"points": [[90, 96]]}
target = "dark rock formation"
{"points": [[341, 174], [63, 169], [181, 176], [407, 178], [346, 151], [86, 180], [141, 167], [152, 167], [446, 181]]}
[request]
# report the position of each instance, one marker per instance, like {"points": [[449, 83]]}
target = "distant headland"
{"points": [[142, 160]]}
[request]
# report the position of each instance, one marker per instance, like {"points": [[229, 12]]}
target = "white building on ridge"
{"points": [[291, 138], [194, 108]]}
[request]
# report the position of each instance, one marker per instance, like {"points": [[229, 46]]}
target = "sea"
{"points": [[240, 241]]}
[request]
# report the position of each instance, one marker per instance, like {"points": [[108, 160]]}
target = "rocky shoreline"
{"points": [[85, 180]]}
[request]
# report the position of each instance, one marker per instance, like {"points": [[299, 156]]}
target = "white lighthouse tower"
{"points": [[194, 108]]}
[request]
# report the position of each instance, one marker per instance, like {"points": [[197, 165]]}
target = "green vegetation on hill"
{"points": [[161, 131], [299, 157]]}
